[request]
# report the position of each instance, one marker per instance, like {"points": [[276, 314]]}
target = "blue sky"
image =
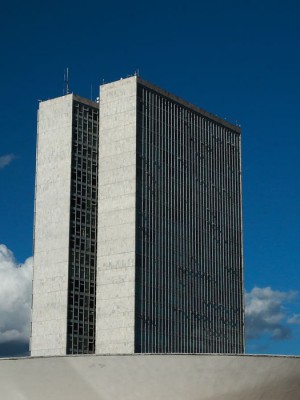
{"points": [[239, 60]]}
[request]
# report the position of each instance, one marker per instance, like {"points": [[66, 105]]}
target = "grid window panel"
{"points": [[189, 268], [83, 231]]}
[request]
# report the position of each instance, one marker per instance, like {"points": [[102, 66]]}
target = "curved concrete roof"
{"points": [[155, 377]]}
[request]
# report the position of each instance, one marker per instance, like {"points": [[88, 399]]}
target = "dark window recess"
{"points": [[82, 256]]}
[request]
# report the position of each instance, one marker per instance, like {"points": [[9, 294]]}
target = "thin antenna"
{"points": [[67, 81]]}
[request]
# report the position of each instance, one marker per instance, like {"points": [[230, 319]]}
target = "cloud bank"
{"points": [[266, 313], [6, 160], [15, 297]]}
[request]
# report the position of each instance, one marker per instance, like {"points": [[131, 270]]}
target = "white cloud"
{"points": [[295, 319], [15, 297], [266, 313], [6, 160]]}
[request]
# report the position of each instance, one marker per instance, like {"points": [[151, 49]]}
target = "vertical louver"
{"points": [[189, 272]]}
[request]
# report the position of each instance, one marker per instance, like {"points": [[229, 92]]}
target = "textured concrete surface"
{"points": [[151, 377], [52, 217], [116, 218]]}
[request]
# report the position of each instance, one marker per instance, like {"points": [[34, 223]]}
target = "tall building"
{"points": [[170, 267], [169, 275], [65, 234]]}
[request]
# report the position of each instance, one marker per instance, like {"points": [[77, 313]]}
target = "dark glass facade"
{"points": [[189, 264], [83, 230]]}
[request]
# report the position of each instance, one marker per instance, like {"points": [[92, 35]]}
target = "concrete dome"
{"points": [[151, 377]]}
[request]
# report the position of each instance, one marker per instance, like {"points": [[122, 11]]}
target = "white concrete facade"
{"points": [[116, 218], [52, 220]]}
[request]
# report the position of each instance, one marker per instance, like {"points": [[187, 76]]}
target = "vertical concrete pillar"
{"points": [[116, 218]]}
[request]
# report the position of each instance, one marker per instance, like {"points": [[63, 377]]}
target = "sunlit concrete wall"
{"points": [[151, 377], [116, 218]]}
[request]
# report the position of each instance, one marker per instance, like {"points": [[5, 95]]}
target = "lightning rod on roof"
{"points": [[66, 81]]}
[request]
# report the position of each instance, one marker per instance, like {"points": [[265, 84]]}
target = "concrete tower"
{"points": [[170, 266], [65, 238]]}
